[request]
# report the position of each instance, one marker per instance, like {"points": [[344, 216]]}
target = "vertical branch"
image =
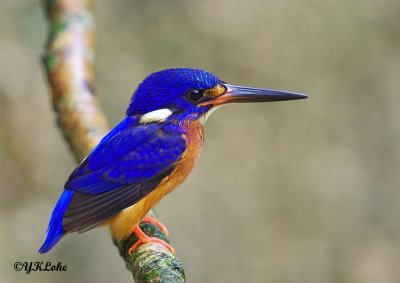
{"points": [[68, 60]]}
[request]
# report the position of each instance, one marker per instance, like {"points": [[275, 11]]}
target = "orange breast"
{"points": [[121, 226]]}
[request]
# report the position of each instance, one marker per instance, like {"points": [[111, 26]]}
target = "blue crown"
{"points": [[165, 89]]}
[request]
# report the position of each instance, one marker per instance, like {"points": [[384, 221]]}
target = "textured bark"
{"points": [[151, 262], [68, 60]]}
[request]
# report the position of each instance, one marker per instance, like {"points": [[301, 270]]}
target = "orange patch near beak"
{"points": [[216, 91], [233, 93]]}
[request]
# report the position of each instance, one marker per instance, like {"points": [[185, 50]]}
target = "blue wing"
{"points": [[131, 153], [127, 164], [121, 170]]}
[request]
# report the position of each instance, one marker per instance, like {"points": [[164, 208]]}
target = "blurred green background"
{"points": [[301, 191]]}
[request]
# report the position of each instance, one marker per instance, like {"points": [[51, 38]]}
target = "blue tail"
{"points": [[55, 231]]}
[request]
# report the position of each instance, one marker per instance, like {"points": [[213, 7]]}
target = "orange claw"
{"points": [[154, 221], [143, 239]]}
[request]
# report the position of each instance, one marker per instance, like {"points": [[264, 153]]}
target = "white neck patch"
{"points": [[159, 115], [203, 118]]}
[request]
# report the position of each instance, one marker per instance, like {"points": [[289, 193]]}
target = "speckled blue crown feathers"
{"points": [[164, 89]]}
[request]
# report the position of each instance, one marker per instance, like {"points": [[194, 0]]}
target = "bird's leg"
{"points": [[151, 220], [143, 239]]}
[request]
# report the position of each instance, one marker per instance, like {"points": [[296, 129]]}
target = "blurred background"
{"points": [[301, 191]]}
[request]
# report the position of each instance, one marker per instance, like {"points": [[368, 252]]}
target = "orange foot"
{"points": [[154, 221], [143, 239]]}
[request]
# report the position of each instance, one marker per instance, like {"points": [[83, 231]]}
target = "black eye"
{"points": [[195, 94]]}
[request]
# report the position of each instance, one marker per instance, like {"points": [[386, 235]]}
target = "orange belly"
{"points": [[121, 226]]}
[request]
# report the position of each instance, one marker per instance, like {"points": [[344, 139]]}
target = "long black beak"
{"points": [[250, 94]]}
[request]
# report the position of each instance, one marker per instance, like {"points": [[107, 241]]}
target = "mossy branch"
{"points": [[68, 60]]}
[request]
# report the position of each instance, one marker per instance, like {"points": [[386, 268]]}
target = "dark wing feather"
{"points": [[126, 166], [90, 211]]}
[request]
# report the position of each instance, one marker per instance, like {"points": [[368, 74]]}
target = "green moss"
{"points": [[149, 264], [51, 60], [58, 26], [158, 267]]}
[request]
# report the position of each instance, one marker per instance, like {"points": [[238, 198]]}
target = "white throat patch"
{"points": [[203, 118], [159, 115]]}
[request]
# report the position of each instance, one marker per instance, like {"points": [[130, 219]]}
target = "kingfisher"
{"points": [[147, 155]]}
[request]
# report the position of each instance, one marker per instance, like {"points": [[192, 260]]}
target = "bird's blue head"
{"points": [[179, 90], [185, 92]]}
